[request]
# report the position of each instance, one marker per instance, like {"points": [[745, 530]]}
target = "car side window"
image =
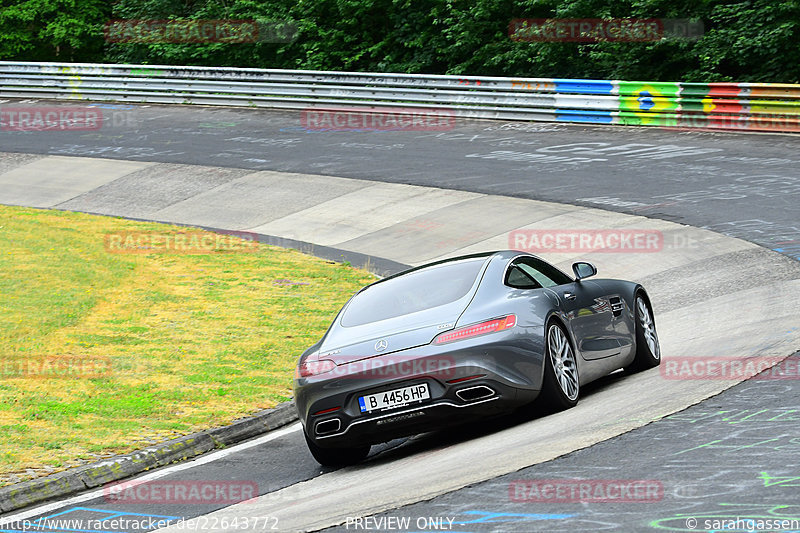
{"points": [[541, 273], [519, 279]]}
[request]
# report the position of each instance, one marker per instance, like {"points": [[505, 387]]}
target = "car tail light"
{"points": [[490, 326], [312, 368]]}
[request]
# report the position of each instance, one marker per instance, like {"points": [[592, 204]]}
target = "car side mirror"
{"points": [[583, 270]]}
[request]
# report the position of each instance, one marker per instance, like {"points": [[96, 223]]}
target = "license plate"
{"points": [[394, 398]]}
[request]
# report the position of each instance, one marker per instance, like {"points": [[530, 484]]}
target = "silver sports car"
{"points": [[462, 339]]}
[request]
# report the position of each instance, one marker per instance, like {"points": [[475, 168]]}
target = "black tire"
{"points": [[561, 383], [336, 456], [648, 349]]}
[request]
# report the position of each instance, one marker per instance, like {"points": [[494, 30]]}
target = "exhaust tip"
{"points": [[471, 394], [328, 426]]}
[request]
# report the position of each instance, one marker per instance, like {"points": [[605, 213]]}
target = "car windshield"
{"points": [[423, 289]]}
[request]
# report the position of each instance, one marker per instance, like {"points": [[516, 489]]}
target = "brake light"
{"points": [[490, 326], [313, 368]]}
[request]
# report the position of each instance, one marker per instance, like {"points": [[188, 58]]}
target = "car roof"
{"points": [[508, 253]]}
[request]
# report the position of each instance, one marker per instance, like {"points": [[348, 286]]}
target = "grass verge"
{"points": [[103, 352]]}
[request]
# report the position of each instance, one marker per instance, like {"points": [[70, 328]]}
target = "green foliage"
{"points": [[744, 40], [756, 41], [52, 30]]}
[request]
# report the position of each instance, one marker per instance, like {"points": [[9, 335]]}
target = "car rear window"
{"points": [[423, 289]]}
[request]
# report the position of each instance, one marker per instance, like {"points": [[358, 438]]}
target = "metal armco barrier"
{"points": [[731, 106]]}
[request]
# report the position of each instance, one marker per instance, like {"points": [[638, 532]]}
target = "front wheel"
{"points": [[336, 456], [648, 349], [561, 386]]}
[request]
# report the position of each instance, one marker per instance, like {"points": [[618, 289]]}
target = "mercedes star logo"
{"points": [[381, 345]]}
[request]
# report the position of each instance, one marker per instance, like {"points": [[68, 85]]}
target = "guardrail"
{"points": [[736, 106]]}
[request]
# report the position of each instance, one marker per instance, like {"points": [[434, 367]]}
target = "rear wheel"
{"points": [[336, 456], [561, 386], [648, 349]]}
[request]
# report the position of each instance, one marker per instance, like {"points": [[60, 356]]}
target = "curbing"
{"points": [[78, 479]]}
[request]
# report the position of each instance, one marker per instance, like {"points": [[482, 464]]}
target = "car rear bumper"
{"points": [[460, 403]]}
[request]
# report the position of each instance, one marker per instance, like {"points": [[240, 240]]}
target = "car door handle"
{"points": [[569, 295]]}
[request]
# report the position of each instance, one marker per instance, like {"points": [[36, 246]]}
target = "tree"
{"points": [[52, 30]]}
